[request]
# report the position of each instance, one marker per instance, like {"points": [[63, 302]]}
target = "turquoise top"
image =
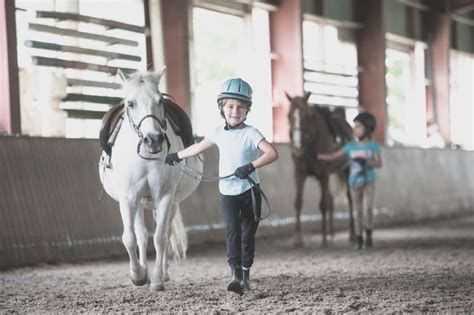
{"points": [[360, 175]]}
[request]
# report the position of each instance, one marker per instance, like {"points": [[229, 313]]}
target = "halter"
{"points": [[136, 128]]}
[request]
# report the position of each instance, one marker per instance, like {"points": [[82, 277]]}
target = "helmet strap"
{"points": [[229, 126]]}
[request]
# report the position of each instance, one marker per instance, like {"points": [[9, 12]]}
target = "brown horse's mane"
{"points": [[324, 130]]}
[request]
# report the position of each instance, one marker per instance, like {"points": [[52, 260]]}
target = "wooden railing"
{"points": [[125, 61]]}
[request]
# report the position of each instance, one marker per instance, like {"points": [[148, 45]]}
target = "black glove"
{"points": [[360, 161], [244, 171], [172, 159]]}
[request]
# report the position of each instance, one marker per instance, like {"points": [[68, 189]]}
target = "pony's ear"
{"points": [[158, 74], [122, 75], [288, 96], [306, 96]]}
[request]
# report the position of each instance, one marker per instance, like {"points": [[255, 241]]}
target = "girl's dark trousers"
{"points": [[239, 219]]}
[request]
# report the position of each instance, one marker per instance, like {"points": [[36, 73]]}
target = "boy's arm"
{"points": [[269, 154], [195, 148], [331, 156], [376, 162]]}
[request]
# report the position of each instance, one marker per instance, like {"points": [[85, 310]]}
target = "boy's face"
{"points": [[359, 129], [234, 111]]}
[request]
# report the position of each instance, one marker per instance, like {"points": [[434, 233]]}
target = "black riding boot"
{"points": [[359, 241], [246, 279], [236, 278], [368, 238]]}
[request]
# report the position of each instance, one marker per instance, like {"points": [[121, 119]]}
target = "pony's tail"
{"points": [[178, 242]]}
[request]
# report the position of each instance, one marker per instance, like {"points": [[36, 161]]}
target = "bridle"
{"points": [[136, 128], [299, 146]]}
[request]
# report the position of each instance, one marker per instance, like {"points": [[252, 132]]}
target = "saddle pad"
{"points": [[179, 121], [109, 121]]}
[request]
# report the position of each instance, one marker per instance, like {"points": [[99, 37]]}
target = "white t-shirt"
{"points": [[237, 147]]}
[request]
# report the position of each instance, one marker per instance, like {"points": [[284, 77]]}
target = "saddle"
{"points": [[336, 122], [175, 115]]}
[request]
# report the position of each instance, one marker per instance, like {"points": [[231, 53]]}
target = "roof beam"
{"points": [[462, 6]]}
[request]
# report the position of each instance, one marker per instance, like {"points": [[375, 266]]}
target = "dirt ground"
{"points": [[420, 268]]}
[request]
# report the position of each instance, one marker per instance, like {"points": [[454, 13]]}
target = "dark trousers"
{"points": [[239, 219]]}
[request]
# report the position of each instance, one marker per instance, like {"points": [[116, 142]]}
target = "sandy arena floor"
{"points": [[422, 268]]}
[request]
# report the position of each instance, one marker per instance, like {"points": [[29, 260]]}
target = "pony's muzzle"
{"points": [[154, 142]]}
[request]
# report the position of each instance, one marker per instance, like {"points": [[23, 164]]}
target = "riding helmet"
{"points": [[368, 120], [237, 89]]}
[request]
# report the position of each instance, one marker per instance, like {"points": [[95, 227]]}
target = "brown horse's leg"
{"points": [[300, 180], [323, 205], [330, 209]]}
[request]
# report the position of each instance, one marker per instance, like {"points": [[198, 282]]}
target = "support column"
{"points": [[371, 57], [438, 29], [148, 38], [175, 15], [9, 85], [287, 68]]}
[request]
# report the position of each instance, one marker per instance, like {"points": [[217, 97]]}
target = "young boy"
{"points": [[364, 155], [239, 146]]}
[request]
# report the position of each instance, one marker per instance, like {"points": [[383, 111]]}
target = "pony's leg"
{"points": [[137, 272], [166, 275], [163, 220], [299, 180], [141, 232]]}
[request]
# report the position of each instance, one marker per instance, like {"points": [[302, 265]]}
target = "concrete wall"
{"points": [[414, 184], [49, 210]]}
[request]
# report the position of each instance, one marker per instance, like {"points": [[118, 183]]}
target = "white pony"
{"points": [[139, 184]]}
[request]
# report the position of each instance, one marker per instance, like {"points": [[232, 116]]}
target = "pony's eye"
{"points": [[130, 103]]}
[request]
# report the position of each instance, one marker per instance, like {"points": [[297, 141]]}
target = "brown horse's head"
{"points": [[302, 124]]}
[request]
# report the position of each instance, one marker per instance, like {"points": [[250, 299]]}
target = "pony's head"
{"points": [[306, 126], [144, 107]]}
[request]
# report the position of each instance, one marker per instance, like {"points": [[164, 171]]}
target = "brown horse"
{"points": [[315, 129]]}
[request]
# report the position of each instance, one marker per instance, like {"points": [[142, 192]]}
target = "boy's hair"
{"points": [[221, 103]]}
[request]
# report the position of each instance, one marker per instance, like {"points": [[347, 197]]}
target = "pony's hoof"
{"points": [[157, 287], [166, 278], [140, 282], [234, 286]]}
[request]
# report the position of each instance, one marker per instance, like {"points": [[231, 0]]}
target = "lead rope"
{"points": [[253, 185], [204, 178]]}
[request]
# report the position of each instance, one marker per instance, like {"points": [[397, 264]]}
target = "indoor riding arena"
{"points": [[91, 215]]}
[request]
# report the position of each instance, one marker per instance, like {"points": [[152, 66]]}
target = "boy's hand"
{"points": [[172, 159], [244, 171]]}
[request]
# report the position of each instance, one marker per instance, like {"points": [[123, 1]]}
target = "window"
{"points": [[240, 49], [462, 99], [405, 96], [73, 83], [330, 66]]}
